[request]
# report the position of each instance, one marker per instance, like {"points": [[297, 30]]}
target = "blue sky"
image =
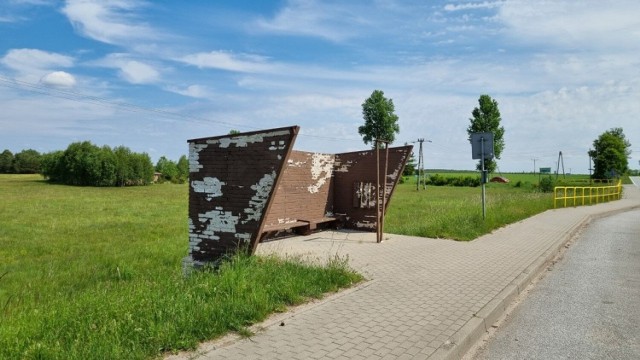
{"points": [[151, 74]]}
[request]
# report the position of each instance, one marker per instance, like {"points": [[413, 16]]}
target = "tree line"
{"points": [[86, 164], [24, 162]]}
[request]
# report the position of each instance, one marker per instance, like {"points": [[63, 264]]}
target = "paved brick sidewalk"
{"points": [[428, 298]]}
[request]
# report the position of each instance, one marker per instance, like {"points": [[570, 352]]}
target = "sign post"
{"points": [[482, 148]]}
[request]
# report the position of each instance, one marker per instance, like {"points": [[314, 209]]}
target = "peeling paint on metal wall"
{"points": [[210, 186], [369, 225], [245, 140], [240, 183], [355, 168], [194, 151], [305, 192], [258, 201], [295, 199], [340, 167], [232, 179], [321, 171]]}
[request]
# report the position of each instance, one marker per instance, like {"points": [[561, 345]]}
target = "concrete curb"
{"points": [[474, 330]]}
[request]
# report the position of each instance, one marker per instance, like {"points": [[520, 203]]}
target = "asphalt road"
{"points": [[588, 305]]}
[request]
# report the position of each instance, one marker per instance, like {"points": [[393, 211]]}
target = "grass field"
{"points": [[456, 212], [95, 273]]}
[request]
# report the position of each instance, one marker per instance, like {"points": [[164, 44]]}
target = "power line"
{"points": [[534, 165], [101, 101]]}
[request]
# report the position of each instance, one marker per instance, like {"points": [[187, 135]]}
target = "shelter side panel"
{"points": [[231, 182]]}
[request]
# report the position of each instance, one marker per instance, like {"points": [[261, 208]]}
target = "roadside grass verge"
{"points": [[95, 273], [456, 212]]}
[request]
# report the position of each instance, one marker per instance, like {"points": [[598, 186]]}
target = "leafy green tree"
{"points": [[124, 171], [85, 164], [486, 118], [610, 154], [380, 121], [168, 168], [142, 168], [183, 169], [27, 162], [82, 164], [106, 173], [53, 167], [6, 162]]}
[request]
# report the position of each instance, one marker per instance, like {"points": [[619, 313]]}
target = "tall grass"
{"points": [[456, 212], [95, 273]]}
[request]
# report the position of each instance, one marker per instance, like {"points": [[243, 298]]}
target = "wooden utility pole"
{"points": [[420, 164], [381, 198]]}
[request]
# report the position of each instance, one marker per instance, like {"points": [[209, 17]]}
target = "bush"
{"points": [[86, 164], [439, 180], [546, 184], [177, 173]]}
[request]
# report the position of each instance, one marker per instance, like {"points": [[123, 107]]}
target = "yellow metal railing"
{"points": [[585, 195]]}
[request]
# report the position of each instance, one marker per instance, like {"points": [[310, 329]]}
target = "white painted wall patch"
{"points": [[194, 157], [259, 200], [210, 186], [321, 170]]}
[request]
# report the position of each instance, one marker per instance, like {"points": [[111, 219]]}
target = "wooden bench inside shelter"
{"points": [[300, 226]]}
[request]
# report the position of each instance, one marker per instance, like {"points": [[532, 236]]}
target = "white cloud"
{"points": [[335, 21], [572, 74], [132, 71], [31, 2], [195, 91], [34, 60], [228, 61], [473, 5], [8, 18], [13, 11], [58, 79], [567, 119], [40, 116], [136, 72], [589, 24], [109, 21]]}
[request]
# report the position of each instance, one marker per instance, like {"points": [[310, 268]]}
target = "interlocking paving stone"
{"points": [[423, 293]]}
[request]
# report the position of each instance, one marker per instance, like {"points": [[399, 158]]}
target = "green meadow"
{"points": [[95, 273], [456, 212]]}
